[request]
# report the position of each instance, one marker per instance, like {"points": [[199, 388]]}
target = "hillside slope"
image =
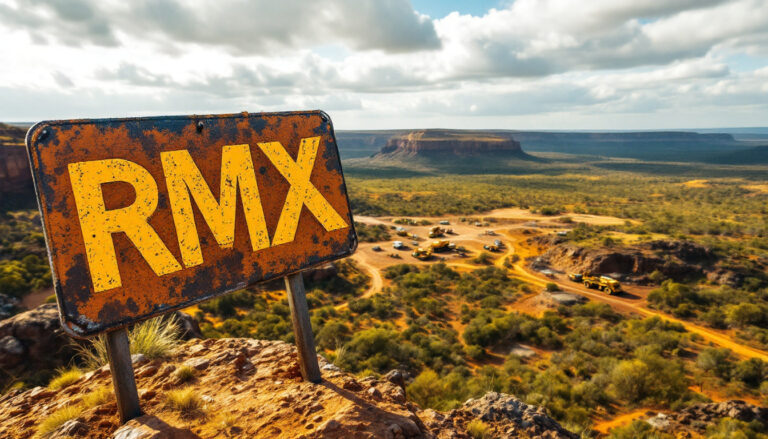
{"points": [[253, 388]]}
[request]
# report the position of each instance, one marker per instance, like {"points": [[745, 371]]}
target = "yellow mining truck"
{"points": [[442, 246], [422, 254], [436, 232], [602, 283]]}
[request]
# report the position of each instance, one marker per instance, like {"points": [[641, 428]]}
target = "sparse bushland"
{"points": [[23, 258], [743, 309], [372, 233], [726, 208], [597, 359]]}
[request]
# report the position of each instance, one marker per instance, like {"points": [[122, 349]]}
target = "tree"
{"points": [[715, 361]]}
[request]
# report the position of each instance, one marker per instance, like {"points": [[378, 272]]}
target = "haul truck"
{"points": [[422, 254], [602, 283], [436, 232]]}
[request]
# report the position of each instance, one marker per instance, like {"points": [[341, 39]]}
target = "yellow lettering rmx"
{"points": [[302, 191]]}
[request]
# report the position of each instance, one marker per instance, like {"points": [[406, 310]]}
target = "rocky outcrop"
{"points": [[9, 305], [505, 415], [253, 388], [34, 340], [445, 143], [678, 260], [15, 176], [697, 418]]}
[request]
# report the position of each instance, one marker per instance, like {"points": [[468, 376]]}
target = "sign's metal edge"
{"points": [[64, 318], [59, 122], [30, 142]]}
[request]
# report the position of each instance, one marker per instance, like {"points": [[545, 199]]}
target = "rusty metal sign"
{"points": [[143, 216]]}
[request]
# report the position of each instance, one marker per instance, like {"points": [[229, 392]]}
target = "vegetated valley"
{"points": [[495, 311]]}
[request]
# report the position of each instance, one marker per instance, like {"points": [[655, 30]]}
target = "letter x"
{"points": [[302, 191]]}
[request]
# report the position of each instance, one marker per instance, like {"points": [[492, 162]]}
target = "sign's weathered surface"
{"points": [[143, 216]]}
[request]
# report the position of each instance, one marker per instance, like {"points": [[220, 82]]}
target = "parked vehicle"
{"points": [[602, 283]]}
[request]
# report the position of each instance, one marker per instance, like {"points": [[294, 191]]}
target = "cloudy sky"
{"points": [[517, 64]]}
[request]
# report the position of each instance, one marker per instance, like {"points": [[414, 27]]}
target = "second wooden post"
{"points": [[302, 328]]}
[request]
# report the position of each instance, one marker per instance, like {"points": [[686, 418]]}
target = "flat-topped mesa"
{"points": [[447, 143]]}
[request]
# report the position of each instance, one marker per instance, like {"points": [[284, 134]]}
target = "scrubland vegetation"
{"points": [[723, 208], [23, 259], [453, 332], [450, 331]]}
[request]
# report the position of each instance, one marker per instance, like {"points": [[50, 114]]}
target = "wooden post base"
{"points": [[123, 379], [302, 329]]}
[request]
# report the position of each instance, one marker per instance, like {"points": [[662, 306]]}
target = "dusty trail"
{"points": [[627, 305], [467, 234], [377, 282]]}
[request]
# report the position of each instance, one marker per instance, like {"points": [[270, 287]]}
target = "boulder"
{"points": [[151, 427], [34, 339]]}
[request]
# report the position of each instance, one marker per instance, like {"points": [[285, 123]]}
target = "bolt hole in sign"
{"points": [[143, 216]]}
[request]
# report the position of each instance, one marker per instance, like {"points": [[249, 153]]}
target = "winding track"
{"points": [[616, 302]]}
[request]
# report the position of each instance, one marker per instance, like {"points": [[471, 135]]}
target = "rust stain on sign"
{"points": [[146, 215]]}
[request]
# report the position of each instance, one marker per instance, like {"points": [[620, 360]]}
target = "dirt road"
{"points": [[473, 238]]}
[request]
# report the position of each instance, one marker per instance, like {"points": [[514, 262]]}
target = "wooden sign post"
{"points": [[302, 328], [144, 216], [123, 380]]}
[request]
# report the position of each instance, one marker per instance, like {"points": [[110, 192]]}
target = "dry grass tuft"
{"points": [[155, 338], [185, 373], [65, 378], [477, 429], [186, 401], [100, 396], [57, 419]]}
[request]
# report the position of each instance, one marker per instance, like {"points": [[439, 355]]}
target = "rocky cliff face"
{"points": [[253, 388], [15, 176], [678, 260], [450, 143]]}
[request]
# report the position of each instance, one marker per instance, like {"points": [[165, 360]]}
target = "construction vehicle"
{"points": [[444, 222], [492, 247], [498, 243], [490, 233], [436, 232], [442, 245], [376, 248], [398, 245], [576, 277], [401, 231], [422, 254], [602, 283]]}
